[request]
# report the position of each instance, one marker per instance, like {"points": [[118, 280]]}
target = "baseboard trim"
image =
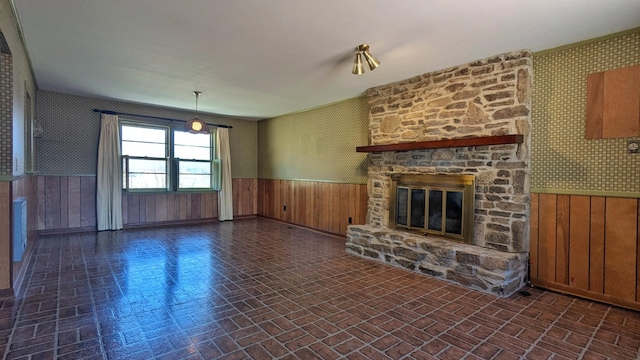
{"points": [[591, 295], [139, 225], [306, 227], [27, 257], [6, 293], [64, 231]]}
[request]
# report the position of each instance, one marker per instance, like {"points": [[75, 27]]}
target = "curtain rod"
{"points": [[153, 117]]}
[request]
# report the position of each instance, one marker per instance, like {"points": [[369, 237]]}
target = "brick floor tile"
{"points": [[192, 292]]}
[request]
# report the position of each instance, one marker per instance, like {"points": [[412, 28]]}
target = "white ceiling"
{"points": [[262, 58]]}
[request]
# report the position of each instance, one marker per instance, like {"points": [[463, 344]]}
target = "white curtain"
{"points": [[109, 182], [225, 195]]}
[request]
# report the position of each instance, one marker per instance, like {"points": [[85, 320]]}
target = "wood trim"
{"points": [[448, 143], [621, 98], [595, 106], [566, 289]]}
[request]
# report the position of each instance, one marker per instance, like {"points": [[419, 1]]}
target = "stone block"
{"points": [[511, 112], [406, 264], [406, 253], [467, 280], [467, 258], [357, 250]]}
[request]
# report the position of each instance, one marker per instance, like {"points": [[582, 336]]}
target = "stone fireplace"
{"points": [[473, 121]]}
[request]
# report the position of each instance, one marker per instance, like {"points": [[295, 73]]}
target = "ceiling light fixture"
{"points": [[363, 50], [195, 125]]}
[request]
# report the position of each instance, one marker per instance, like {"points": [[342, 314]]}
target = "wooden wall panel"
{"points": [[579, 220], [5, 236], [596, 239], [334, 209], [125, 210], [133, 209], [160, 211], [596, 245], [41, 199], [237, 196], [68, 203], [562, 239], [142, 208], [52, 202], [64, 196], [547, 237], [171, 207], [150, 208], [318, 205], [620, 253], [73, 196], [87, 201], [533, 237]]}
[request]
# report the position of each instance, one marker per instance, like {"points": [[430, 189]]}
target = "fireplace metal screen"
{"points": [[434, 204]]}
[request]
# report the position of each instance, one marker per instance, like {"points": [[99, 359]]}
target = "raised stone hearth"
{"points": [[483, 269], [489, 97]]}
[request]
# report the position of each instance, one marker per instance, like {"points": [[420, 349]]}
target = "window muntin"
{"points": [[191, 146]]}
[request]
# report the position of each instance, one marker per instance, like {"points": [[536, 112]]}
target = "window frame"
{"points": [[173, 168], [176, 165]]}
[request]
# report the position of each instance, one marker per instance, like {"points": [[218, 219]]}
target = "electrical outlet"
{"points": [[633, 147], [350, 220], [284, 208]]}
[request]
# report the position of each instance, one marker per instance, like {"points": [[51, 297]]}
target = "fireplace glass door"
{"points": [[451, 222], [434, 204]]}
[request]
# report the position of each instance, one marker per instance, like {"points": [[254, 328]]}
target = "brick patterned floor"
{"points": [[262, 289]]}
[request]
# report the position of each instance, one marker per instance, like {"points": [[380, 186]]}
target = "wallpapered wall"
{"points": [[317, 144], [6, 114], [563, 161], [69, 142]]}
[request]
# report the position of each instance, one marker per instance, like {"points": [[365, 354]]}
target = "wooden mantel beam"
{"points": [[449, 143]]}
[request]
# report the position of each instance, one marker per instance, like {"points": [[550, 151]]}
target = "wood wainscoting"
{"points": [[587, 246], [318, 205], [68, 203]]}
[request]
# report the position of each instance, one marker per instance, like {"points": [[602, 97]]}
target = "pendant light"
{"points": [[195, 125]]}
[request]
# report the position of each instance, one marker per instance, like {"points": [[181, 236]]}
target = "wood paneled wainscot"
{"points": [[587, 246], [318, 205], [67, 203]]}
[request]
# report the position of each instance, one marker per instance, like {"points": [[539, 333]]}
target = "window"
{"points": [[192, 154], [155, 158]]}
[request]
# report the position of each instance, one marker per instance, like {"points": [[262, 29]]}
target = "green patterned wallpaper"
{"points": [[69, 143], [317, 144], [563, 161]]}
